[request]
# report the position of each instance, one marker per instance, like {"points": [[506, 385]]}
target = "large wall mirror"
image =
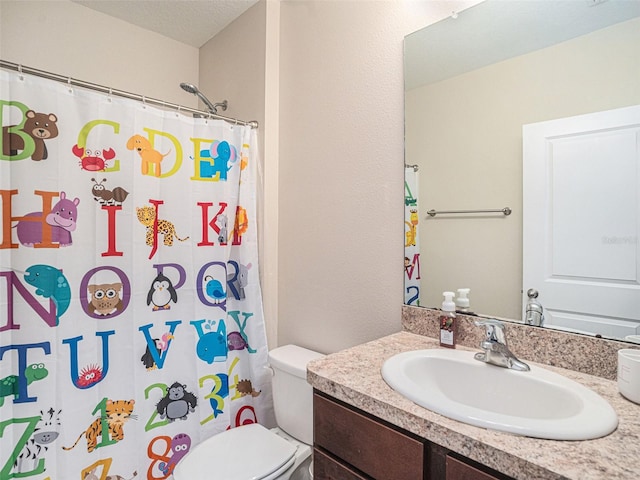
{"points": [[471, 83]]}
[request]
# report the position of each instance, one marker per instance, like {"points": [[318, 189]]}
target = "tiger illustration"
{"points": [[147, 216], [118, 412]]}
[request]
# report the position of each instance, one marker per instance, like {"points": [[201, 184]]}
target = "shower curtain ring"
{"points": [[20, 76], [69, 83]]}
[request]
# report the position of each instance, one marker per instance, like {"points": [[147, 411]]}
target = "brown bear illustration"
{"points": [[38, 126]]}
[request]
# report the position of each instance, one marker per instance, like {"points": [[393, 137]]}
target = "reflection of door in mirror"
{"points": [[581, 194]]}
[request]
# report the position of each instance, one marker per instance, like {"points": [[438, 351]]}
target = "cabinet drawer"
{"points": [[326, 468], [373, 448], [459, 470]]}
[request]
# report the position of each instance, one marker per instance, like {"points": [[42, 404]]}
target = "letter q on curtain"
{"points": [[131, 321]]}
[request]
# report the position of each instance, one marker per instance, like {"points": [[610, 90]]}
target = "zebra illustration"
{"points": [[38, 444]]}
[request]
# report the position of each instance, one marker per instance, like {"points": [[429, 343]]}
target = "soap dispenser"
{"points": [[462, 300], [448, 321]]}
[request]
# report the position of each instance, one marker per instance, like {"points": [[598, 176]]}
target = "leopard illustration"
{"points": [[147, 216]]}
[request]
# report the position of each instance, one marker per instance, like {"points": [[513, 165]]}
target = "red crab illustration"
{"points": [[92, 161]]}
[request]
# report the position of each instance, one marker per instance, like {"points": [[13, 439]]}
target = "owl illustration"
{"points": [[105, 298], [161, 293]]}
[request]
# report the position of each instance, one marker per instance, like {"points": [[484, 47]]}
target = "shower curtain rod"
{"points": [[120, 93]]}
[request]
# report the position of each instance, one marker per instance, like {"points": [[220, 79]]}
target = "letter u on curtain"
{"points": [[131, 321]]}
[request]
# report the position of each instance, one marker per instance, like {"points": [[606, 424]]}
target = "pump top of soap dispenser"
{"points": [[462, 300], [448, 305]]}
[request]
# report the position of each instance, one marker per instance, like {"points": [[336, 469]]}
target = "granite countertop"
{"points": [[353, 376]]}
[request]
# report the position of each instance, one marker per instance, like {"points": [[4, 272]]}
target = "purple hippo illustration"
{"points": [[62, 218]]}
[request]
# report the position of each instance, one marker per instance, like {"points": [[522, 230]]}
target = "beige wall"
{"points": [[232, 66], [466, 133], [333, 110], [68, 39], [341, 123], [341, 168]]}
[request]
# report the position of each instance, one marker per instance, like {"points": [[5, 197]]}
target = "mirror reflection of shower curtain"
{"points": [[411, 239]]}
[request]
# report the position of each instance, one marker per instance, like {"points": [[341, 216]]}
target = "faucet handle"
{"points": [[494, 330]]}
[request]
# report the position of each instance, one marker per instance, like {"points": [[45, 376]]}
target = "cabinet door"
{"points": [[326, 468], [375, 449], [458, 470]]}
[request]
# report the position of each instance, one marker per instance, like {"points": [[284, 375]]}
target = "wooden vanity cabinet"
{"points": [[350, 444]]}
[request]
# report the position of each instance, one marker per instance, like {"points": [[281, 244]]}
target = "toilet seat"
{"points": [[250, 452]]}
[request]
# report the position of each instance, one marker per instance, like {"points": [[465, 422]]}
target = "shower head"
{"points": [[189, 88], [213, 108]]}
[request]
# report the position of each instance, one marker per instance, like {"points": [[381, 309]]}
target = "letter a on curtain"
{"points": [[131, 321]]}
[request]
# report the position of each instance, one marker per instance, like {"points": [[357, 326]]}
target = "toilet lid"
{"points": [[250, 452]]}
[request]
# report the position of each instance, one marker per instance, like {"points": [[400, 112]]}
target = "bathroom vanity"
{"points": [[349, 441], [366, 430]]}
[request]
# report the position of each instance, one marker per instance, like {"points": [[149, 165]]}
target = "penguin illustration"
{"points": [[161, 293], [147, 358]]}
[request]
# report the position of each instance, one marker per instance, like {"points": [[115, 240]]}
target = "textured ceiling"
{"points": [[192, 22]]}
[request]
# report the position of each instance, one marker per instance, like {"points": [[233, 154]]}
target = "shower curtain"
{"points": [[411, 240], [131, 321]]}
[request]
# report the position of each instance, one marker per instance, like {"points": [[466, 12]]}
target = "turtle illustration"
{"points": [[9, 385]]}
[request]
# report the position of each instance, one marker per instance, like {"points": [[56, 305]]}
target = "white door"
{"points": [[581, 210]]}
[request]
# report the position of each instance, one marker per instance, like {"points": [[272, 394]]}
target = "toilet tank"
{"points": [[292, 395]]}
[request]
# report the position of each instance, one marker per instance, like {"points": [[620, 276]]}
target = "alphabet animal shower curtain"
{"points": [[131, 322]]}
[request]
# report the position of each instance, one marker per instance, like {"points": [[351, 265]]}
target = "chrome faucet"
{"points": [[494, 346]]}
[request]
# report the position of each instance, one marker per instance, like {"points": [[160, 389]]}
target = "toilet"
{"points": [[253, 452]]}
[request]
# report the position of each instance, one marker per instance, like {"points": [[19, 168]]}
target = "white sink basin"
{"points": [[538, 403]]}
